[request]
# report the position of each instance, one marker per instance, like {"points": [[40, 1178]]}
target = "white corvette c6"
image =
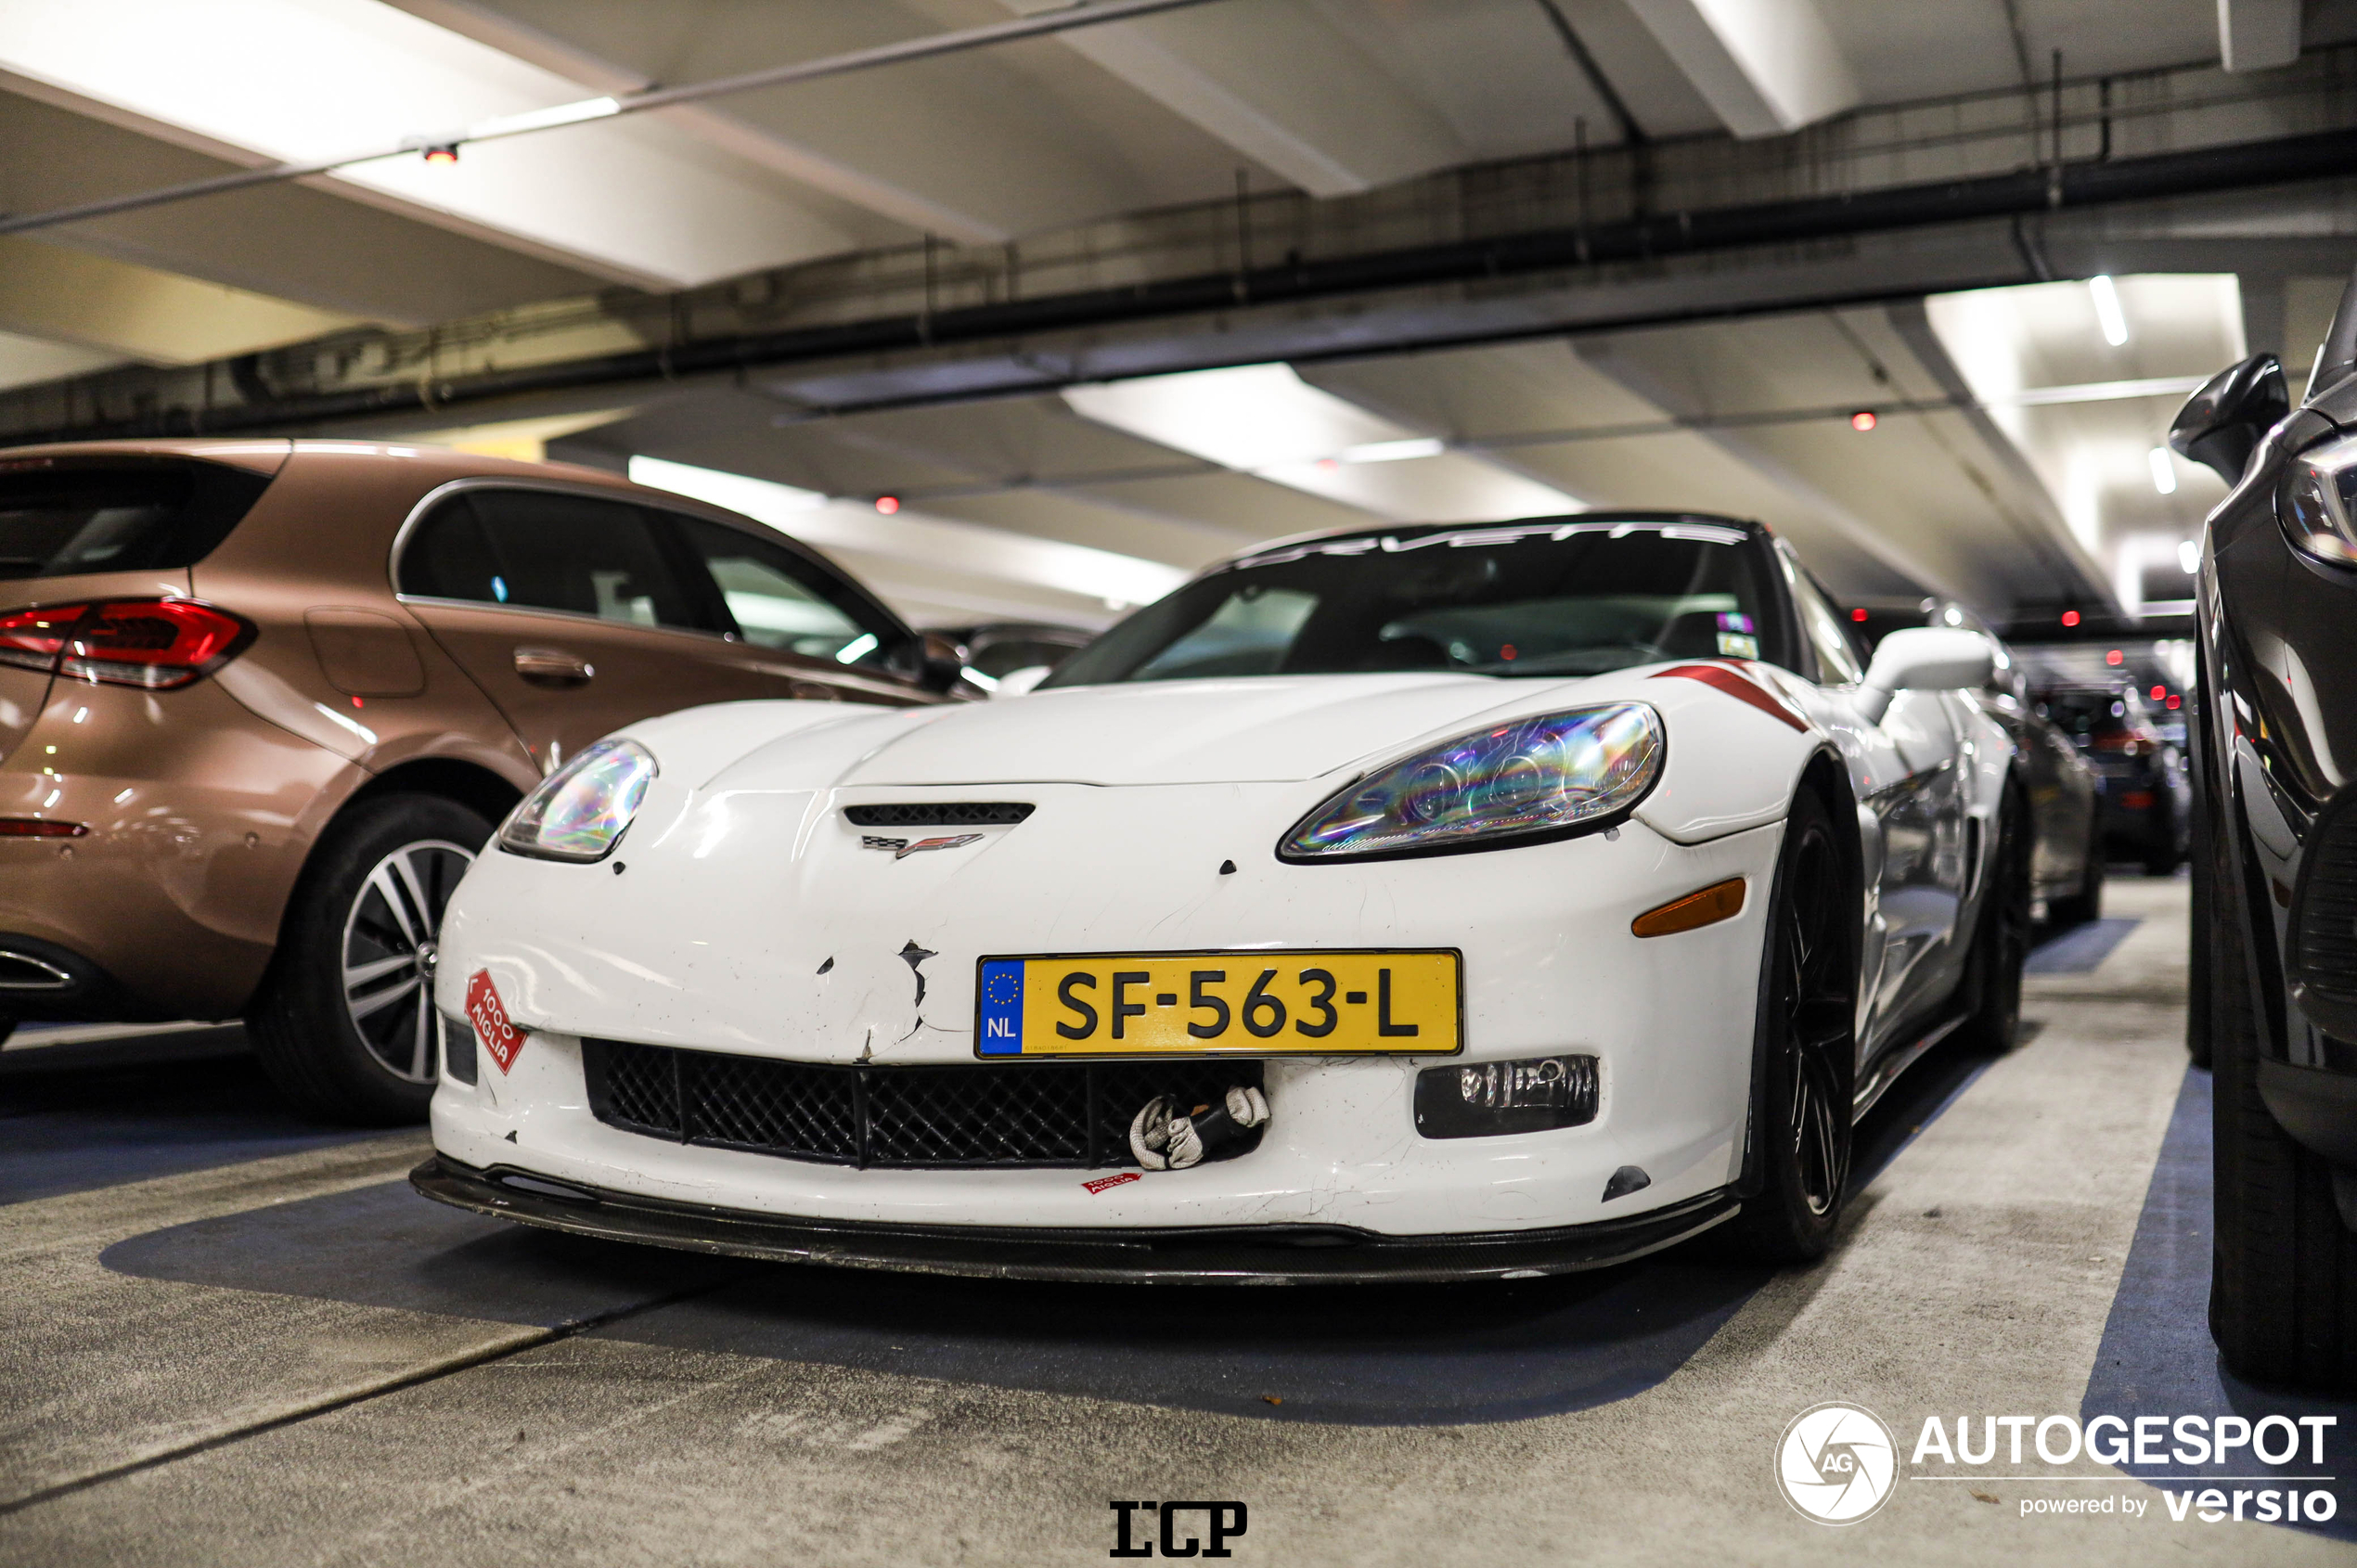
{"points": [[1413, 903]]}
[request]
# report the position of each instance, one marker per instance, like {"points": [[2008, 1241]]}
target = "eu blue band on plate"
{"points": [[1001, 1009]]}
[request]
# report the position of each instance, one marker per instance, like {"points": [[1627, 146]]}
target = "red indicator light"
{"points": [[2113, 657], [2159, 692], [1863, 419], [2070, 618], [887, 504], [40, 828], [1858, 615], [1507, 651], [2174, 701], [443, 155], [358, 703]]}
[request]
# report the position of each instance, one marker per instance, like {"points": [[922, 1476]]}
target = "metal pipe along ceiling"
{"points": [[2322, 155]]}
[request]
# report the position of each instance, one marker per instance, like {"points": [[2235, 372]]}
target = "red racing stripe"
{"points": [[1719, 678]]}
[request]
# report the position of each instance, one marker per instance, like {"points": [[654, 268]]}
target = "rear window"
{"points": [[142, 516]]}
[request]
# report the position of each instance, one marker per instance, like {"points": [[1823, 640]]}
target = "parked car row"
{"points": [[2065, 788], [2144, 788]]}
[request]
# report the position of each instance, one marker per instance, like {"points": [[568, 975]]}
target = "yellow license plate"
{"points": [[1304, 1003]]}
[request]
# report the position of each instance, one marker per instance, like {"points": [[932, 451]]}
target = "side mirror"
{"points": [[1925, 659], [1014, 683], [2222, 424]]}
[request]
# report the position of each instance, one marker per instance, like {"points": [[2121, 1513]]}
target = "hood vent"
{"points": [[938, 813]]}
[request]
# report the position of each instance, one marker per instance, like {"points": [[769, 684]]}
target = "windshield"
{"points": [[1544, 598]]}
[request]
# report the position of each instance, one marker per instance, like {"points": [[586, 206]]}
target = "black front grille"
{"points": [[938, 813], [1073, 1114], [2325, 918]]}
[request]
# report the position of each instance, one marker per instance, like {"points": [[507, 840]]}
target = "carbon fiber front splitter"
{"points": [[1274, 1255]]}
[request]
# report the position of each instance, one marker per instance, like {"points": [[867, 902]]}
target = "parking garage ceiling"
{"points": [[700, 286]]}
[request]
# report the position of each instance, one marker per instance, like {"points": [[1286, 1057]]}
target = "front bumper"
{"points": [[1292, 1254], [794, 952]]}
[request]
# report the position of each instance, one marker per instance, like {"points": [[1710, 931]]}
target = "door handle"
{"points": [[553, 666]]}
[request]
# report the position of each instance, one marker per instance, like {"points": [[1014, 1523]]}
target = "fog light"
{"points": [[457, 1050], [1483, 1099]]}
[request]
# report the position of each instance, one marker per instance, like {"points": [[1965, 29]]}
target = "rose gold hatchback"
{"points": [[261, 703]]}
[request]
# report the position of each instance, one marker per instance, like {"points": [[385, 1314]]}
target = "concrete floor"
{"points": [[228, 1338]]}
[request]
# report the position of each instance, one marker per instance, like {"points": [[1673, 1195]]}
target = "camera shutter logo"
{"points": [[1836, 1463]]}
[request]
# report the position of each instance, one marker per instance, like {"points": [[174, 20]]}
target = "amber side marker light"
{"points": [[40, 828], [1719, 901]]}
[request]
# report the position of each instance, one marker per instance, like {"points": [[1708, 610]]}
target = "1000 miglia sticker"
{"points": [[484, 1011]]}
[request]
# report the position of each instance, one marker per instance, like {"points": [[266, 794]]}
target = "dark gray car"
{"points": [[2275, 979]]}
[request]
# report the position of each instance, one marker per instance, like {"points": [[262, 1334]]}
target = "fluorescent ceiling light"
{"points": [[2108, 315], [2025, 352], [543, 119], [1395, 451], [2164, 476], [1247, 417], [965, 547], [1265, 420], [763, 499], [2189, 556]]}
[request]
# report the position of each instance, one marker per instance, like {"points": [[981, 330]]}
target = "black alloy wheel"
{"points": [[1807, 1048], [1991, 985], [344, 1021]]}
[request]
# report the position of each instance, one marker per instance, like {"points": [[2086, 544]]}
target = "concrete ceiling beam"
{"points": [[1281, 84], [2258, 34], [1766, 66]]}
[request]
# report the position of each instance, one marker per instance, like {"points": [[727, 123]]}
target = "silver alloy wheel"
{"points": [[389, 937]]}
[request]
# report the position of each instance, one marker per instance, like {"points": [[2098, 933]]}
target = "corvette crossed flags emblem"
{"points": [[902, 849]]}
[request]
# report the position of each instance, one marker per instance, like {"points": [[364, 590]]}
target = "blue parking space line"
{"points": [[2157, 1356], [2079, 949]]}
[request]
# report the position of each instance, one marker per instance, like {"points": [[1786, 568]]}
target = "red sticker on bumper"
{"points": [[501, 1038], [1103, 1182]]}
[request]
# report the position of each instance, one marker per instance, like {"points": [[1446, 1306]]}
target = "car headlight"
{"points": [[1505, 784], [2317, 501], [579, 812]]}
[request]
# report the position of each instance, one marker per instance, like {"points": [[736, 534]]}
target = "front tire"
{"points": [[1807, 1048], [2283, 1278], [2001, 937], [344, 1022]]}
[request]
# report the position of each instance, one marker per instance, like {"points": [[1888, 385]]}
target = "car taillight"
{"points": [[32, 640], [157, 644]]}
